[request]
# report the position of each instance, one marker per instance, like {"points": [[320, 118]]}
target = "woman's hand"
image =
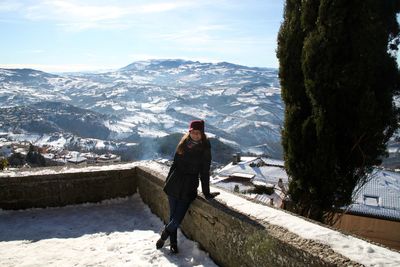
{"points": [[211, 195]]}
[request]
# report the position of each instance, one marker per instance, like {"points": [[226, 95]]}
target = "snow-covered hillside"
{"points": [[242, 106]]}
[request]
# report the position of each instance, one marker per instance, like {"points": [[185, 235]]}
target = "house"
{"points": [[259, 178], [375, 211], [393, 151], [22, 150], [379, 197], [6, 150], [257, 168], [91, 157], [109, 158], [77, 160], [73, 157], [49, 156]]}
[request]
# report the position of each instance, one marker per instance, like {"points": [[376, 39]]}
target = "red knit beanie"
{"points": [[197, 125]]}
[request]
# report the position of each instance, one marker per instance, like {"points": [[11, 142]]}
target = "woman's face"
{"points": [[195, 135]]}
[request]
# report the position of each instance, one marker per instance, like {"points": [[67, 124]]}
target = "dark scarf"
{"points": [[191, 143]]}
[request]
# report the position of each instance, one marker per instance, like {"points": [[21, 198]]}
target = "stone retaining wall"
{"points": [[62, 189]]}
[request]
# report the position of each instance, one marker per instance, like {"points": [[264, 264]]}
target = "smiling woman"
{"points": [[75, 36], [192, 159]]}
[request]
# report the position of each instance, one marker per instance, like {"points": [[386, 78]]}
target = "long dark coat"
{"points": [[183, 178]]}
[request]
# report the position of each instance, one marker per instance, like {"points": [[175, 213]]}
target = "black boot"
{"points": [[174, 248], [161, 241], [173, 238]]}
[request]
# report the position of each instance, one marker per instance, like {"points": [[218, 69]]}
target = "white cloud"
{"points": [[79, 15], [6, 6], [70, 12], [140, 57]]}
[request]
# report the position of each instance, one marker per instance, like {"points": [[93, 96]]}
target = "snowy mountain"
{"points": [[50, 117], [242, 106]]}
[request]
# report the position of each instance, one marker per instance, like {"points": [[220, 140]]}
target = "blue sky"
{"points": [[76, 35]]}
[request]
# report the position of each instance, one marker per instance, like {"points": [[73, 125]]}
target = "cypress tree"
{"points": [[34, 157], [338, 76]]}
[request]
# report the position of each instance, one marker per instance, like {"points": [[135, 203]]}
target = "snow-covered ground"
{"points": [[119, 232]]}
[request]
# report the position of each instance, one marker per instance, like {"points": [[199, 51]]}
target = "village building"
{"points": [[21, 150], [375, 211], [90, 157], [76, 158], [6, 149], [109, 158], [259, 178]]}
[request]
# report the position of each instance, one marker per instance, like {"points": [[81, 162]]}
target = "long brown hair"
{"points": [[181, 145]]}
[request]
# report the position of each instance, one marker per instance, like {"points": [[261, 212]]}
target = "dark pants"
{"points": [[177, 211]]}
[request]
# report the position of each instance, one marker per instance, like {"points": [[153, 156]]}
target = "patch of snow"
{"points": [[118, 232], [117, 107], [120, 126], [149, 132]]}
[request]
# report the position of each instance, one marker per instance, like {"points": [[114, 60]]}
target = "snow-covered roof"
{"points": [[393, 149], [108, 156], [276, 162], [77, 159], [242, 175], [263, 169], [6, 143], [48, 155], [89, 155], [23, 151], [379, 197]]}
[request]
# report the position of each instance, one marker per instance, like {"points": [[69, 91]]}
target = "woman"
{"points": [[192, 159]]}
